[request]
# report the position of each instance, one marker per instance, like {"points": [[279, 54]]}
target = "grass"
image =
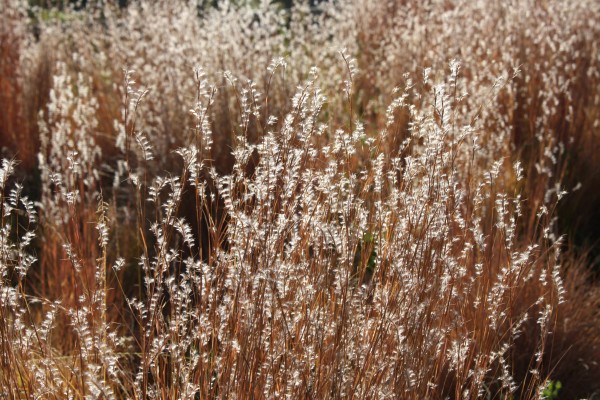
{"points": [[355, 200]]}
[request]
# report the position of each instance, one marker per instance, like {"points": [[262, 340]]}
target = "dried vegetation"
{"points": [[359, 199]]}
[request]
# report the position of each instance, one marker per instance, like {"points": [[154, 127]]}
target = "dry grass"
{"points": [[331, 206]]}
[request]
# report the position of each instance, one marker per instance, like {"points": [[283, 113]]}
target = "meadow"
{"points": [[320, 200]]}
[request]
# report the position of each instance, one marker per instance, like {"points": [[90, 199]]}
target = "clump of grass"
{"points": [[15, 133], [269, 227]]}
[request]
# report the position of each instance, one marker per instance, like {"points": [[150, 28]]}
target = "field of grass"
{"points": [[340, 199]]}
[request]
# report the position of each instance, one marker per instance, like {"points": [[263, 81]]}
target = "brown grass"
{"points": [[278, 230]]}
